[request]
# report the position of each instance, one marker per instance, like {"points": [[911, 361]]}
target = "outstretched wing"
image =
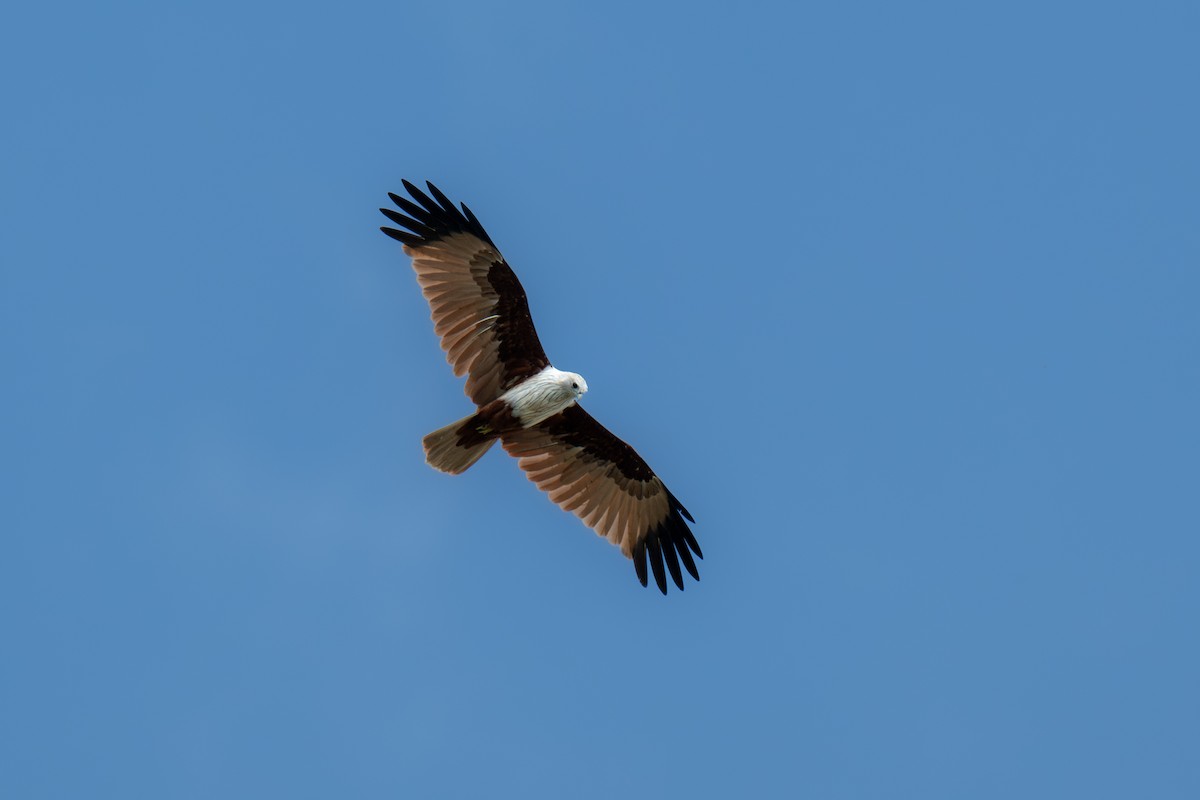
{"points": [[602, 480], [478, 306]]}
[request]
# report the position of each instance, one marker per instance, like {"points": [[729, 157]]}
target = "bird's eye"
{"points": [[574, 385]]}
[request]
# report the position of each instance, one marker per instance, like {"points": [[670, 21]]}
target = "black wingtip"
{"points": [[672, 560], [402, 236], [679, 506], [684, 533], [668, 546], [692, 543], [688, 563], [430, 219], [654, 550], [421, 230], [639, 561], [443, 201]]}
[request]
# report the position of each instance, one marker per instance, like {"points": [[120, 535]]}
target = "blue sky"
{"points": [[900, 299]]}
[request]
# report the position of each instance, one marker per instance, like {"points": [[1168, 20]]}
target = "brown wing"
{"points": [[478, 306], [600, 479]]}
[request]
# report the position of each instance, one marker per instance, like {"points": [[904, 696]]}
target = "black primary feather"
{"points": [[430, 219]]}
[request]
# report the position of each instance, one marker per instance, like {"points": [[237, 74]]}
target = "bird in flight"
{"points": [[482, 317]]}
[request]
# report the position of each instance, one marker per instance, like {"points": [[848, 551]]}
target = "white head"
{"points": [[573, 383]]}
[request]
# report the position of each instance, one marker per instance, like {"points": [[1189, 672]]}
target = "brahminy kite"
{"points": [[481, 314]]}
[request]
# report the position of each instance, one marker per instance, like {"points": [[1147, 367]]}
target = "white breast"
{"points": [[539, 397]]}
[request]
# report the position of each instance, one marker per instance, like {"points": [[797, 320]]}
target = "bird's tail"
{"points": [[457, 446]]}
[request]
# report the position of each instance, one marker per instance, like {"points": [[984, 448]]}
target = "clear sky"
{"points": [[901, 299]]}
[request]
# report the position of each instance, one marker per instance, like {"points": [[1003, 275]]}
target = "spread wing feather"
{"points": [[478, 306], [602, 480]]}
